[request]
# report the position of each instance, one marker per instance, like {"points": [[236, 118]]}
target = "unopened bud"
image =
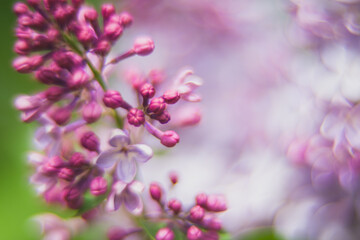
{"points": [[60, 115], [91, 112], [53, 165], [90, 14], [46, 76], [98, 186], [156, 106], [194, 233], [169, 138], [147, 90], [78, 79], [165, 234], [155, 191], [201, 199], [117, 233], [102, 47], [107, 10], [197, 213], [171, 96], [112, 99], [163, 118], [90, 141], [216, 203], [136, 117], [143, 46], [22, 47], [113, 30], [211, 222], [174, 178], [20, 8], [27, 64], [67, 174], [72, 196], [54, 93], [86, 35], [175, 205], [126, 19], [77, 160]]}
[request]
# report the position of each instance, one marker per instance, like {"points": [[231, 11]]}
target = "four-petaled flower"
{"points": [[127, 193], [124, 155]]}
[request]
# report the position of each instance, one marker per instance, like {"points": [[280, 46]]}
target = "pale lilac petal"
{"points": [[114, 202], [191, 97], [42, 183], [25, 102], [133, 203], [36, 158], [119, 138], [182, 76], [136, 187], [353, 137], [332, 126], [108, 158], [119, 187], [126, 169], [140, 152]]}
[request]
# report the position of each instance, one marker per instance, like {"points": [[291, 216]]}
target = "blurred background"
{"points": [[279, 134]]}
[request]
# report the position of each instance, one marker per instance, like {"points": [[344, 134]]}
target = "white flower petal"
{"points": [[133, 203]]}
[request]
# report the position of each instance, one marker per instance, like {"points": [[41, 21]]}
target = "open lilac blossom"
{"points": [[127, 193], [124, 155]]}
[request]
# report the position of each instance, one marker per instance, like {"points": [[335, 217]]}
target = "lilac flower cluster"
{"points": [[65, 45]]}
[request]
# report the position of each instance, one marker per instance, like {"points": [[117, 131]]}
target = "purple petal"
{"points": [[333, 125], [108, 158], [140, 152], [133, 203], [191, 97], [126, 169], [119, 138]]}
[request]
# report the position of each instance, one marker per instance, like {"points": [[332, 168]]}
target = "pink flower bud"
{"points": [[147, 90], [67, 59], [90, 141], [155, 191], [157, 106], [67, 174], [78, 79], [216, 203], [187, 116], [171, 96], [52, 166], [112, 99], [211, 222], [143, 46], [60, 115], [107, 10], [22, 47], [113, 30], [197, 213], [77, 160], [47, 76], [38, 21], [20, 8], [24, 20], [175, 205], [165, 234], [53, 34], [102, 47], [169, 138], [86, 35], [64, 14], [72, 196], [90, 14], [54, 93], [27, 64], [98, 186], [136, 117], [201, 199], [194, 233], [163, 118], [91, 112], [174, 178], [125, 19]]}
